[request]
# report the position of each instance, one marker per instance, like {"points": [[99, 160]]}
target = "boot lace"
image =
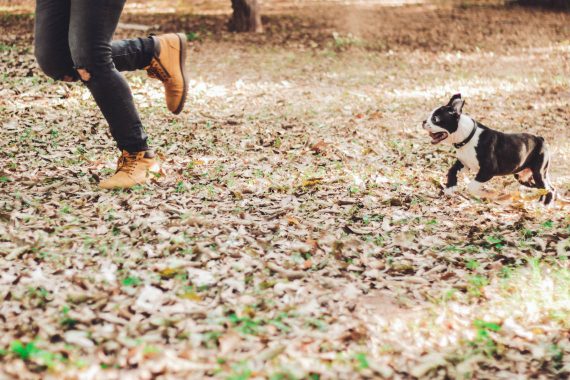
{"points": [[127, 163], [157, 71]]}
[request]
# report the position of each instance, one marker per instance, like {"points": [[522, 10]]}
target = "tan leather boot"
{"points": [[133, 169], [169, 66]]}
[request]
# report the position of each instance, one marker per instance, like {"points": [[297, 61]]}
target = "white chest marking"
{"points": [[467, 154]]}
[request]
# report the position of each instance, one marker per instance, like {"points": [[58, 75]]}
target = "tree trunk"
{"points": [[246, 16]]}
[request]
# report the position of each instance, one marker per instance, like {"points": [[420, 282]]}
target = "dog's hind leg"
{"points": [[541, 177]]}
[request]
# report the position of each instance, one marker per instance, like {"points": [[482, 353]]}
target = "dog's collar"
{"points": [[462, 143]]}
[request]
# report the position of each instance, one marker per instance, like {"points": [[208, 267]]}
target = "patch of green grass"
{"points": [[107, 171], [137, 189], [353, 190], [253, 326], [483, 342], [240, 371], [448, 295], [67, 322], [361, 360], [475, 285], [283, 375], [465, 249], [210, 339], [472, 264], [151, 350], [506, 272], [22, 351], [180, 187], [131, 281], [342, 42], [193, 36], [366, 219], [495, 241], [30, 351], [316, 323], [556, 354], [278, 322], [5, 48], [39, 295], [26, 135], [245, 325]]}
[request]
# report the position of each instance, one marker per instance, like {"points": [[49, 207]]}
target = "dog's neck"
{"points": [[464, 129]]}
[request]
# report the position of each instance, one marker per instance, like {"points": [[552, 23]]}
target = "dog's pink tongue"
{"points": [[437, 137], [434, 139]]}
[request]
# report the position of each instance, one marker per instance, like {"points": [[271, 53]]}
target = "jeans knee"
{"points": [[54, 67], [89, 60], [84, 74]]}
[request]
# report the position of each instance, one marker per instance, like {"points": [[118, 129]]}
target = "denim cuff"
{"points": [[133, 148], [149, 49]]}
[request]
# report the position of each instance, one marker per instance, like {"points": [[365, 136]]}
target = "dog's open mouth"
{"points": [[438, 137]]}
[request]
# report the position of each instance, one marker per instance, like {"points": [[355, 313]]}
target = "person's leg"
{"points": [[164, 58], [51, 45], [166, 52], [91, 28], [132, 54]]}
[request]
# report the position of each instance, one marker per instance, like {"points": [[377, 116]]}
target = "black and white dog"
{"points": [[487, 152]]}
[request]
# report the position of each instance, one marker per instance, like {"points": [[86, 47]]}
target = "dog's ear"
{"points": [[456, 103], [453, 98]]}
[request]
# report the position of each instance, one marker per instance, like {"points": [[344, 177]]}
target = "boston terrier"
{"points": [[489, 153]]}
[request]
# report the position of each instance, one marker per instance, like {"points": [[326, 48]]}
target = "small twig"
{"points": [[290, 274], [140, 27]]}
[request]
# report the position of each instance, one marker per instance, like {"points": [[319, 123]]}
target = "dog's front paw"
{"points": [[450, 190]]}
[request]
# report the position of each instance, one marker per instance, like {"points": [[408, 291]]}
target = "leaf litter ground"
{"points": [[300, 231]]}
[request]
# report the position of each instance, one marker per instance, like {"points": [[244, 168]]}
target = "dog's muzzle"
{"points": [[436, 137]]}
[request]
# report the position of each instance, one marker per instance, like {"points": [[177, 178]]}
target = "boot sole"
{"points": [[183, 47]]}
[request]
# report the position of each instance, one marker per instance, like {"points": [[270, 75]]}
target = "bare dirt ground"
{"points": [[301, 231]]}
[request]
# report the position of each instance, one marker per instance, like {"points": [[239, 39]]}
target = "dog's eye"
{"points": [[435, 119]]}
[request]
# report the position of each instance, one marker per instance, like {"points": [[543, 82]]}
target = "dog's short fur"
{"points": [[487, 152]]}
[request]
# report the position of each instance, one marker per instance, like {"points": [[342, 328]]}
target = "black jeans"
{"points": [[74, 36]]}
